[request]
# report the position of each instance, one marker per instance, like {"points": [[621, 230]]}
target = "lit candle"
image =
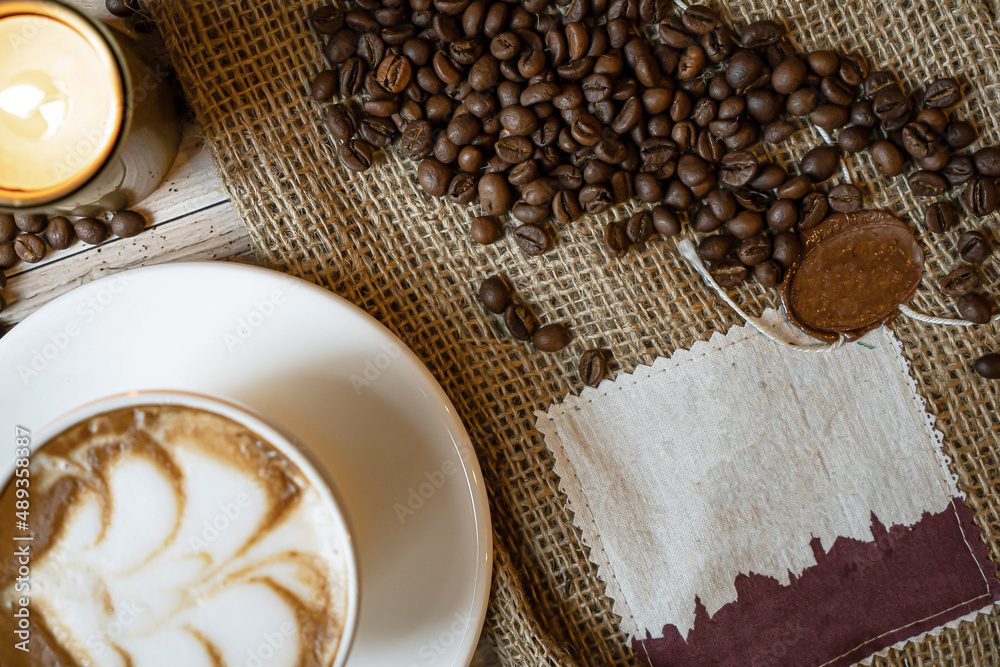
{"points": [[85, 123]]}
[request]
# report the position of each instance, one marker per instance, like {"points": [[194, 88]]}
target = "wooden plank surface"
{"points": [[190, 219]]}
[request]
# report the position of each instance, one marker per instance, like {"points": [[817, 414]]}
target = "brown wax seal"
{"points": [[855, 271]]}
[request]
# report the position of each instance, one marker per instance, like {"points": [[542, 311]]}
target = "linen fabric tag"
{"points": [[750, 504]]}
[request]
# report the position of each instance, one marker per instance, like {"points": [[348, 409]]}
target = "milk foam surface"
{"points": [[187, 541]]}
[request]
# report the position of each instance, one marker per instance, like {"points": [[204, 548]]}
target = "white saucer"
{"points": [[332, 375]]}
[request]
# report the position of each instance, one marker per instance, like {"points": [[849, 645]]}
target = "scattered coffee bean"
{"points": [[943, 93], [127, 223], [924, 183], [355, 154], [29, 248], [59, 233], [520, 321], [845, 198], [887, 158], [728, 272], [786, 249], [8, 228], [91, 230], [485, 230], [551, 338], [940, 217], [31, 223], [813, 210], [987, 161], [593, 367], [960, 282], [975, 308], [666, 221], [981, 196], [325, 20], [532, 239], [8, 257], [495, 293], [973, 247], [494, 194], [755, 250], [820, 163], [988, 366], [767, 274], [324, 86]]}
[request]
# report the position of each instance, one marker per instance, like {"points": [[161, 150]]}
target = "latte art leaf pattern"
{"points": [[173, 531]]}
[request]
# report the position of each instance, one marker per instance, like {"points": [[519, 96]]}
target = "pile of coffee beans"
{"points": [[27, 237], [546, 111]]}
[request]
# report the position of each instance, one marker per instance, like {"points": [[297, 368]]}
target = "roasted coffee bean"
{"points": [[820, 163], [522, 173], [754, 250], [862, 114], [987, 161], [127, 223], [728, 272], [324, 86], [416, 141], [621, 186], [665, 221], [381, 108], [514, 149], [532, 239], [802, 102], [595, 199], [639, 227], [960, 281], [678, 196], [434, 176], [371, 47], [980, 196], [593, 367], [551, 338], [786, 249], [829, 116], [925, 183], [890, 104], [616, 241], [32, 223], [760, 34], [495, 293], [494, 194], [378, 132], [940, 217], [988, 366], [59, 233], [782, 215], [647, 188], [789, 75], [485, 230], [959, 134], [722, 204], [352, 76], [973, 247], [8, 228], [699, 19], [520, 321], [705, 220], [876, 82], [540, 191], [692, 170], [29, 248], [823, 63], [752, 200], [854, 139], [731, 108], [936, 120], [566, 206], [519, 120], [813, 210], [769, 176], [8, 257], [340, 46], [887, 158], [737, 169], [845, 198], [462, 189], [715, 248], [745, 224], [943, 93], [90, 230], [361, 21], [595, 171], [764, 105], [445, 150], [767, 274], [975, 308], [959, 170], [936, 161], [778, 131], [918, 140], [325, 20]]}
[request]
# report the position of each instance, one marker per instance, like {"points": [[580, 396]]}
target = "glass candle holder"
{"points": [[87, 123]]}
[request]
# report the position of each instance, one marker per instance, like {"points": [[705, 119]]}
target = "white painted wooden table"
{"points": [[191, 219]]}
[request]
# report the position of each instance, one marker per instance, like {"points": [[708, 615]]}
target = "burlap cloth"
{"points": [[376, 239]]}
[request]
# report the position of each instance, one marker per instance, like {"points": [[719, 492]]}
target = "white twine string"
{"points": [[687, 250]]}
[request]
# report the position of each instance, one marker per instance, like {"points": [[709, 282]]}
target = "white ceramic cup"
{"points": [[276, 435]]}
